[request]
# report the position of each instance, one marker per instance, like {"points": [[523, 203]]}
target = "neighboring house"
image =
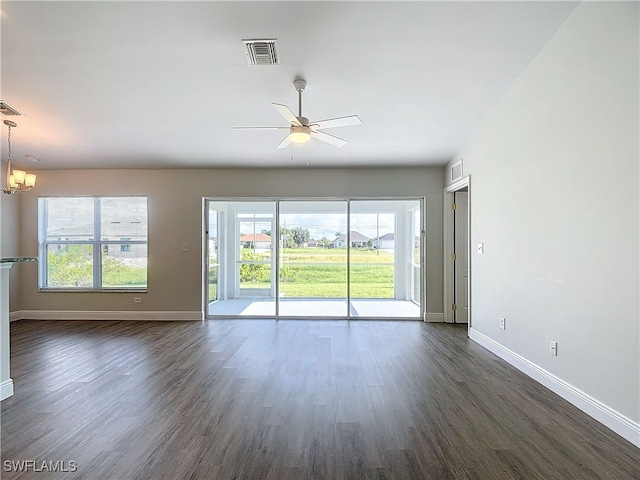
{"points": [[311, 243], [120, 222], [259, 241], [384, 242], [356, 238]]}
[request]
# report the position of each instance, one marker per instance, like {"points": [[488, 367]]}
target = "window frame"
{"points": [[96, 242]]}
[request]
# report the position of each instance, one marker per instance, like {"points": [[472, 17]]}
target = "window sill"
{"points": [[92, 290]]}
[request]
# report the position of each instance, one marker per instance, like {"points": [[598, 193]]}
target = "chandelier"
{"points": [[17, 180]]}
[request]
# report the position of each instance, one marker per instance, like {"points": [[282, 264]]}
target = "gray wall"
{"points": [[175, 216], [554, 197], [9, 238]]}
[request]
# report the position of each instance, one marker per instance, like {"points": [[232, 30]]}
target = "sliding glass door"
{"points": [[382, 247], [240, 258], [315, 258]]}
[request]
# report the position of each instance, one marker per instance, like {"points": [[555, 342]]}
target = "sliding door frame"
{"points": [[277, 261]]}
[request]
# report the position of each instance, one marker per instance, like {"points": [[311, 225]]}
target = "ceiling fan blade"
{"points": [[261, 128], [284, 143], [325, 137], [336, 122], [287, 114]]}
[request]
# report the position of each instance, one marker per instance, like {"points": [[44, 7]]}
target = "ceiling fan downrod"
{"points": [[299, 84]]}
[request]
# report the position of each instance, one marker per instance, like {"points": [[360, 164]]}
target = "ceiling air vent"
{"points": [[7, 110], [456, 171], [262, 52]]}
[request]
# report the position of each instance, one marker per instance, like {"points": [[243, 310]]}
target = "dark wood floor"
{"points": [[251, 399]]}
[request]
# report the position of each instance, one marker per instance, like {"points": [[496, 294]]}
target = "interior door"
{"points": [[461, 257]]}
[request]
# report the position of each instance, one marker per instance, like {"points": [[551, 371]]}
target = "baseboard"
{"points": [[6, 389], [188, 316], [434, 317], [623, 426]]}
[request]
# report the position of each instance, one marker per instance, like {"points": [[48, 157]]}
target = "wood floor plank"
{"points": [[258, 399]]}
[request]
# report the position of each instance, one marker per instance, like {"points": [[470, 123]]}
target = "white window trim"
{"points": [[95, 242]]}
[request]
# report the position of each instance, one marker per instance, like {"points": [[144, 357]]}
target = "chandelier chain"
{"points": [[9, 144]]}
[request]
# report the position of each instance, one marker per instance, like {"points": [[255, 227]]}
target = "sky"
{"points": [[325, 218], [328, 225]]}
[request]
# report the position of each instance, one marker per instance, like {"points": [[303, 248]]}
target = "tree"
{"points": [[253, 272], [300, 235], [286, 237], [70, 267]]}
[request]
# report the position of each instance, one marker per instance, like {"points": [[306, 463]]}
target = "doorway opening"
{"points": [[457, 258]]}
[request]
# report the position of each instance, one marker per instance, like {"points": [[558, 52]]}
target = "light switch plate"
{"points": [[481, 248]]}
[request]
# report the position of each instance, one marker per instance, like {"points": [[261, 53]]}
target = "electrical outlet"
{"points": [[553, 348], [137, 299], [502, 323], [185, 247]]}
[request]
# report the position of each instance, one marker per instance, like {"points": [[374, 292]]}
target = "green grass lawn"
{"points": [[334, 255], [321, 273], [73, 267]]}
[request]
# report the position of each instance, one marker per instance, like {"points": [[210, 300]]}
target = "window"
{"points": [[125, 247], [93, 243]]}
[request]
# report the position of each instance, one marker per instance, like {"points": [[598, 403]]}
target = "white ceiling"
{"points": [[161, 84]]}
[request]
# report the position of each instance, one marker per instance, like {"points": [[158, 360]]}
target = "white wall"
{"points": [[554, 197], [175, 216]]}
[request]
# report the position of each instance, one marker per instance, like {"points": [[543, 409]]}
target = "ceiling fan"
{"points": [[301, 129]]}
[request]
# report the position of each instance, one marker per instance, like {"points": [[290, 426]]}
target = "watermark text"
{"points": [[39, 466]]}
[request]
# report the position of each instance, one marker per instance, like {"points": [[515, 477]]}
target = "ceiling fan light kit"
{"points": [[300, 134], [301, 130]]}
